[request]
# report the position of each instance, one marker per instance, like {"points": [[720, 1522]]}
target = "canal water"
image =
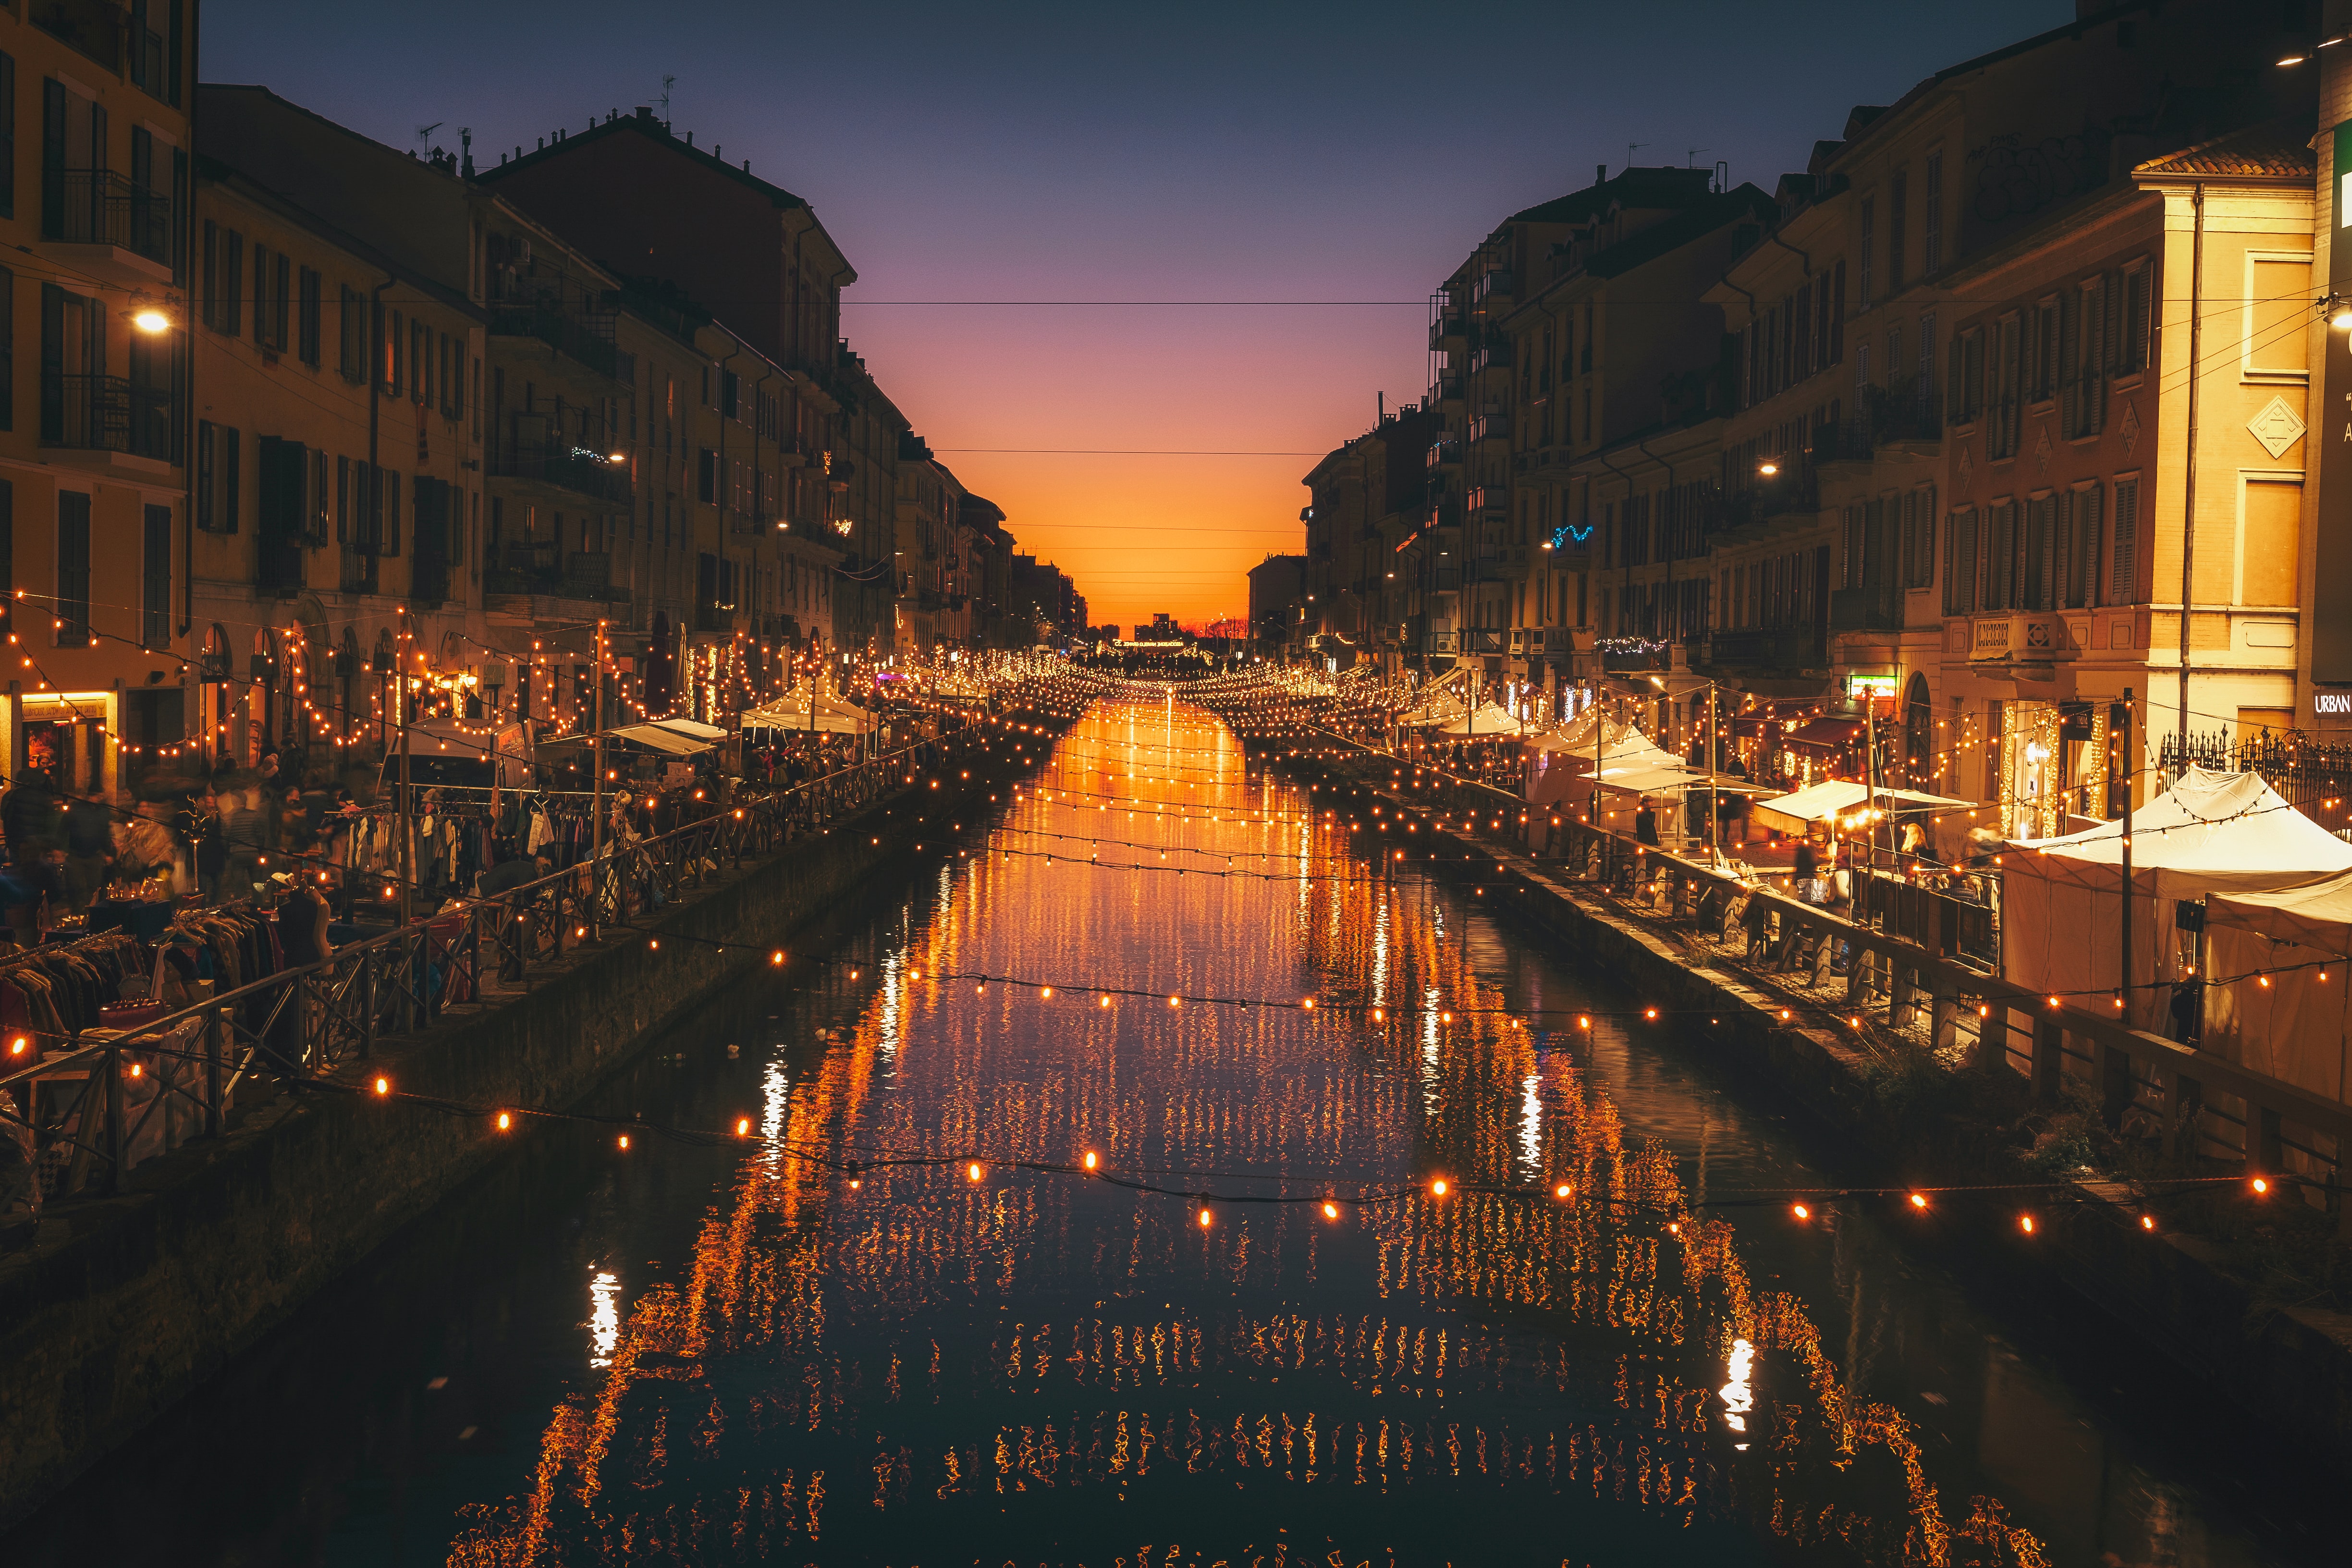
{"points": [[755, 1352]]}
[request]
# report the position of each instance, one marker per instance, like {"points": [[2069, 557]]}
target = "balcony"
{"points": [[119, 231], [575, 470], [1446, 388], [1873, 607], [93, 27], [1447, 328], [713, 618], [1490, 356], [1445, 580], [1490, 428], [1443, 454], [106, 413], [1481, 639], [1493, 291], [1492, 501], [569, 338]]}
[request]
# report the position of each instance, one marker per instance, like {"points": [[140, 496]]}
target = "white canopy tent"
{"points": [[693, 728], [660, 738], [2062, 898], [804, 713], [2298, 1026], [1815, 802], [1491, 719]]}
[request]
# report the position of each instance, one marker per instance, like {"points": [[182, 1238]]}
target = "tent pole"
{"points": [[2124, 968]]}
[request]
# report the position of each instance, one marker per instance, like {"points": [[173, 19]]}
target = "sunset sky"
{"points": [[1316, 156]]}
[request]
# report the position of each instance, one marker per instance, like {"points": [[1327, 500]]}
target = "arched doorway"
{"points": [[1918, 733]]}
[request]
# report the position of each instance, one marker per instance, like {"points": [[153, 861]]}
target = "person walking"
{"points": [[90, 850], [1645, 823], [245, 832]]}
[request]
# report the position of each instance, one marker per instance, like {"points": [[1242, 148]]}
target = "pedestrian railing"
{"points": [[309, 1019], [1950, 1002]]}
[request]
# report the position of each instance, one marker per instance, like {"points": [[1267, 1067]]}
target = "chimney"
{"points": [[1599, 173], [645, 111]]}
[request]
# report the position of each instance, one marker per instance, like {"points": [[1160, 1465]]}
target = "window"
{"points": [[2079, 548], [270, 269], [387, 512], [308, 288], [2124, 586], [2038, 547], [2277, 318], [73, 569], [388, 341], [2139, 278], [706, 475], [155, 46], [420, 362], [2083, 396], [1925, 388], [155, 579], [2000, 556], [1899, 193], [1965, 377], [351, 335], [217, 478], [224, 263], [1869, 247], [1931, 220], [1918, 538], [7, 136], [2043, 352], [2000, 440], [319, 517]]}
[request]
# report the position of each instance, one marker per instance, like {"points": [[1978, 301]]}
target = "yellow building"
{"points": [[94, 417], [336, 465]]}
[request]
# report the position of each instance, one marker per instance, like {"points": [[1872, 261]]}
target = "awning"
{"points": [[825, 716], [1823, 736], [654, 738], [692, 728], [1816, 803]]}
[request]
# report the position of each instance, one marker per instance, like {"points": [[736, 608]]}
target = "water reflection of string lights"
{"points": [[603, 1317], [1738, 1397]]}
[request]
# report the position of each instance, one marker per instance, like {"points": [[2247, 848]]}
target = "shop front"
{"points": [[2055, 767]]}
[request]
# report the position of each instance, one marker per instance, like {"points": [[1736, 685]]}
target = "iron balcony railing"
{"points": [[96, 207], [108, 413], [569, 468], [567, 337]]}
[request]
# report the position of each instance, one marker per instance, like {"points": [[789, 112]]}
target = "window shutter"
{"points": [[2124, 586], [2086, 524], [2062, 549]]}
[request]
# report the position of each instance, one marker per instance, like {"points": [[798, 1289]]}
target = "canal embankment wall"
{"points": [[2287, 1367], [130, 1303]]}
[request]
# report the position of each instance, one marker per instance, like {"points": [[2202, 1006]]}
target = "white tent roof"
{"points": [[2212, 832], [1830, 796], [2318, 916], [655, 738], [827, 716], [1490, 720], [694, 726]]}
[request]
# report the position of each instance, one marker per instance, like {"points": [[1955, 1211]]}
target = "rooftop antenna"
{"points": [[1630, 147], [424, 130], [1692, 156], [668, 82]]}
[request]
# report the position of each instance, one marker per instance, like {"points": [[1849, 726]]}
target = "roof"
{"points": [[2211, 832], [2276, 150], [643, 123], [1662, 238], [1663, 186]]}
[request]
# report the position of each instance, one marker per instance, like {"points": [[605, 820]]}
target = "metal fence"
{"points": [[306, 1020], [2313, 776]]}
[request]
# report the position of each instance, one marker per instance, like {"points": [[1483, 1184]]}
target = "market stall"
{"points": [[2278, 969], [1798, 811], [2211, 833]]}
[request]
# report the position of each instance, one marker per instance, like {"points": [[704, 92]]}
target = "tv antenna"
{"points": [[668, 82], [424, 130], [1631, 148], [1692, 156]]}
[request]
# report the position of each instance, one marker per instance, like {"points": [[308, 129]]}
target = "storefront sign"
{"points": [[1880, 687]]}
